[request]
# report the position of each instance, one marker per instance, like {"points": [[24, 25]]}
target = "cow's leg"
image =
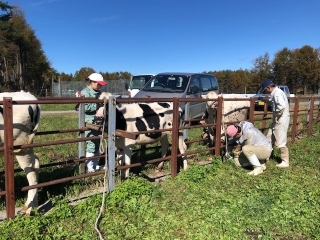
{"points": [[164, 150], [29, 162], [182, 149], [126, 161], [119, 157], [212, 135]]}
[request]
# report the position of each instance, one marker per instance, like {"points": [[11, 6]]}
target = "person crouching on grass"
{"points": [[255, 146]]}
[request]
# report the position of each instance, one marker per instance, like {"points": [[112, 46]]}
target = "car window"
{"points": [[214, 83], [285, 89], [138, 82], [259, 91], [194, 82], [205, 83], [167, 83]]}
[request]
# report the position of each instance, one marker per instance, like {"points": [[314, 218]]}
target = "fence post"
{"points": [[9, 156], [218, 127], [186, 117], [251, 110], [110, 155], [175, 137], [310, 116], [81, 145]]}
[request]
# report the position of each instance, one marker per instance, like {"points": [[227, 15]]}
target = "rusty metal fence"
{"points": [[311, 112]]}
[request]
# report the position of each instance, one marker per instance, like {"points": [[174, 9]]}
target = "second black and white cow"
{"points": [[232, 111], [138, 117], [26, 120]]}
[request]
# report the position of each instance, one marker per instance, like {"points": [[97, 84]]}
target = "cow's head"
{"points": [[211, 104], [101, 109]]}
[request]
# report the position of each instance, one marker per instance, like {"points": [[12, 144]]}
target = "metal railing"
{"points": [[312, 114]]}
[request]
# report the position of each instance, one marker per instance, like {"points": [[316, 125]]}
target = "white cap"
{"points": [[97, 77]]}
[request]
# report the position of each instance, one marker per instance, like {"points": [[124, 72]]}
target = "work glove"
{"points": [[236, 150], [228, 156]]}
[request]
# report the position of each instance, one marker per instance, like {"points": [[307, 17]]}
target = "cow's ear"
{"points": [[204, 96]]}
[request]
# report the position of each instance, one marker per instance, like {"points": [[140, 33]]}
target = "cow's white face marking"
{"points": [[211, 104]]}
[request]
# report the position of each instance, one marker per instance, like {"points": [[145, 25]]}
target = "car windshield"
{"points": [[167, 83], [260, 91], [137, 82]]}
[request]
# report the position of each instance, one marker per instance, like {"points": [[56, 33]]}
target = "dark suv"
{"points": [[264, 98], [181, 85]]}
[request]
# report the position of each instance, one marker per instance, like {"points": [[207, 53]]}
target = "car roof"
{"points": [[182, 73], [144, 74]]}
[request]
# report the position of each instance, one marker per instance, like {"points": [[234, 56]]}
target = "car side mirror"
{"points": [[194, 89], [126, 86]]}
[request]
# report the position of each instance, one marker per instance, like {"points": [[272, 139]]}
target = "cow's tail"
{"points": [[35, 118], [35, 123]]}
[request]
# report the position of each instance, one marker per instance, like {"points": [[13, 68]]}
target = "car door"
{"points": [[196, 109], [208, 83]]}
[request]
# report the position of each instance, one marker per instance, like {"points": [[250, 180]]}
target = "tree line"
{"points": [[24, 65]]}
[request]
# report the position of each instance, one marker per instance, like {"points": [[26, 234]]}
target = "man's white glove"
{"points": [[228, 156]]}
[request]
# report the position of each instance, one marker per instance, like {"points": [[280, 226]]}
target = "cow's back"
{"points": [[139, 117], [26, 118], [235, 110]]}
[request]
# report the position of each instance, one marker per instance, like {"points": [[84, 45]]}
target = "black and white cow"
{"points": [[232, 111], [26, 120], [137, 117]]}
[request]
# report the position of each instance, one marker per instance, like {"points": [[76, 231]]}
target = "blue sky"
{"points": [[152, 36]]}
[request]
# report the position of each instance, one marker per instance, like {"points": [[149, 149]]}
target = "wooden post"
{"points": [[218, 126], [9, 156], [175, 137], [310, 116]]}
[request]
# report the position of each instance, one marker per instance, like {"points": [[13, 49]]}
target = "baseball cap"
{"points": [[97, 77], [232, 130], [266, 83]]}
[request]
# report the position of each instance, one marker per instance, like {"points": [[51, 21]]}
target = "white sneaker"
{"points": [[283, 164], [256, 171], [236, 162]]}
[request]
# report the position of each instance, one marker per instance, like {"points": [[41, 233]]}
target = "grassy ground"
{"points": [[212, 201], [57, 107]]}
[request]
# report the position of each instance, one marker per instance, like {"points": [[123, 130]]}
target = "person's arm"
{"points": [[89, 108], [280, 105], [246, 138]]}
